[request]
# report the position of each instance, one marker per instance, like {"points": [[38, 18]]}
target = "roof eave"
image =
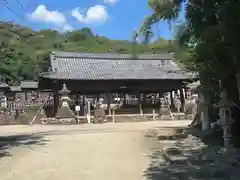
{"points": [[55, 76], [164, 56]]}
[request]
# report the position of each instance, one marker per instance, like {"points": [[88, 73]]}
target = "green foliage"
{"points": [[162, 10], [209, 38], [24, 52], [210, 34]]}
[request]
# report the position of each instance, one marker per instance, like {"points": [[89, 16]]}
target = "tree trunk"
{"points": [[238, 84], [202, 115], [237, 74]]}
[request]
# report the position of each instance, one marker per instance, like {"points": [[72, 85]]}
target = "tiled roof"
{"points": [[90, 66], [29, 84]]}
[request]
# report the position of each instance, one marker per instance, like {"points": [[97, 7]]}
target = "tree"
{"points": [[210, 35]]}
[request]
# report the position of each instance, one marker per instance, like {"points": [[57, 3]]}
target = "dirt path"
{"points": [[88, 152]]}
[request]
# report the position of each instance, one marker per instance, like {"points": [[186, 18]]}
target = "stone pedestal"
{"points": [[165, 110]]}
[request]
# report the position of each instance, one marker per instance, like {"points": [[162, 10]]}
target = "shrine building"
{"points": [[85, 74]]}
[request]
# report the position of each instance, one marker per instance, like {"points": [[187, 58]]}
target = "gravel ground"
{"points": [[87, 152]]}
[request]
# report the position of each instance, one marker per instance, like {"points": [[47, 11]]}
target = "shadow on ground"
{"points": [[187, 157], [26, 140]]}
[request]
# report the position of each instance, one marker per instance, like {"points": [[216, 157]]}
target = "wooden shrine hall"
{"points": [[111, 76]]}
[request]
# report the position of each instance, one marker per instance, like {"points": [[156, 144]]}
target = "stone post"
{"points": [[203, 105], [141, 110], [89, 112], [77, 110], [113, 115], [154, 114], [226, 119], [178, 104]]}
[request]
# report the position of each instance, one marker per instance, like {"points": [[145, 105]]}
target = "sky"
{"points": [[115, 19]]}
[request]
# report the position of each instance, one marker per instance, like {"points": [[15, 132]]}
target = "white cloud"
{"points": [[42, 14], [110, 1], [94, 14], [67, 27]]}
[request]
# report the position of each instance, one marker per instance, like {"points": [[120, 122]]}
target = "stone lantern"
{"points": [[226, 119], [64, 92], [64, 110]]}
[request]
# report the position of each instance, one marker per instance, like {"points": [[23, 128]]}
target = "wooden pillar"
{"points": [[26, 96], [186, 93], [140, 103], [182, 99], [124, 98], [171, 100], [55, 103], [108, 104], [160, 102], [85, 105], [97, 98], [37, 94], [79, 102]]}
